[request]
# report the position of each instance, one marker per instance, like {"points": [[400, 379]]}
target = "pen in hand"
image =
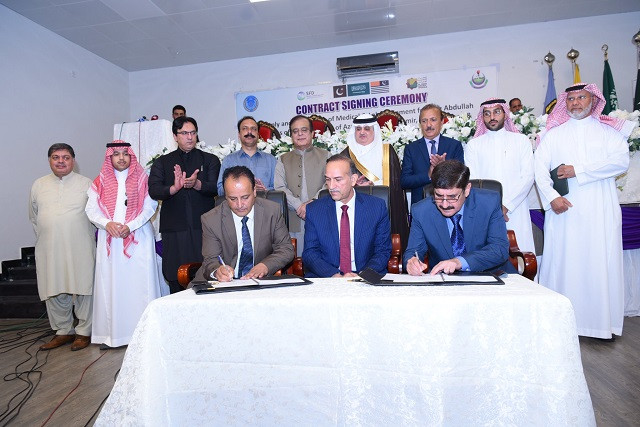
{"points": [[224, 269], [418, 258]]}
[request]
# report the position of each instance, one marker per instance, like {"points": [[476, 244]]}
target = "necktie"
{"points": [[433, 147], [345, 242], [246, 256], [457, 236]]}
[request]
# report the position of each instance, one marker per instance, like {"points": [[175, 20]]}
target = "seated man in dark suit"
{"points": [[246, 233], [462, 228], [347, 232], [421, 156]]}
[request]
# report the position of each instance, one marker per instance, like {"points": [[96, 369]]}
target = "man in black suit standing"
{"points": [[421, 156], [185, 180]]}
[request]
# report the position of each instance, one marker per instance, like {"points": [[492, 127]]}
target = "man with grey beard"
{"points": [[583, 228]]}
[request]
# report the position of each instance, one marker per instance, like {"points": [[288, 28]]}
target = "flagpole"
{"points": [[636, 98], [573, 55]]}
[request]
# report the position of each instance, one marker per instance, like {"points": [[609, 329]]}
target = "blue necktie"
{"points": [[457, 236], [246, 256], [433, 147]]}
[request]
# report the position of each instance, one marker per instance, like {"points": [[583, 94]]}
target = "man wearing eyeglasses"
{"points": [[300, 174], [461, 228], [583, 228], [185, 180], [499, 151]]}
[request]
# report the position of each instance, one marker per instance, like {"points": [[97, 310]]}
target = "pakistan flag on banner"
{"points": [[609, 89]]}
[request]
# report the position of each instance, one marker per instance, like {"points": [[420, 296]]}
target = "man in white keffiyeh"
{"points": [[582, 256], [499, 151]]}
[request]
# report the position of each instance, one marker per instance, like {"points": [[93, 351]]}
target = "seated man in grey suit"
{"points": [[244, 236], [461, 228]]}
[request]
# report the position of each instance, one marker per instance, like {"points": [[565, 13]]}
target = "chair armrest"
{"points": [[525, 262], [186, 273]]}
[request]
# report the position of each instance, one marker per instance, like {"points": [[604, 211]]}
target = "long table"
{"points": [[345, 353]]}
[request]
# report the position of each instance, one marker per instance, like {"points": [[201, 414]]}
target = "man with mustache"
{"points": [[499, 151], [348, 231], [65, 248], [515, 105], [461, 228], [245, 236], [263, 165], [300, 174], [583, 228], [424, 154], [185, 181]]}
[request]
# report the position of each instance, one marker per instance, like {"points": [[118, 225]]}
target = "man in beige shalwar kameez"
{"points": [[65, 248]]}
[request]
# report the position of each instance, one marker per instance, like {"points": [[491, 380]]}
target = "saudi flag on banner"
{"points": [[609, 90]]}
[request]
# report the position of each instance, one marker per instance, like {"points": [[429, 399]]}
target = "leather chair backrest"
{"points": [[381, 191], [487, 184], [280, 197]]}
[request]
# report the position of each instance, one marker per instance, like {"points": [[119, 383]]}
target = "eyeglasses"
{"points": [[365, 128], [300, 131], [579, 98], [185, 133], [450, 199]]}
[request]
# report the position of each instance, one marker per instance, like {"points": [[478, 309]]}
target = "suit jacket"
{"points": [[271, 246], [183, 210], [485, 233], [416, 163], [371, 229]]}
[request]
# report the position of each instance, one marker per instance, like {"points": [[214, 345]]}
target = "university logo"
{"points": [[301, 96], [250, 103], [340, 91], [478, 80]]}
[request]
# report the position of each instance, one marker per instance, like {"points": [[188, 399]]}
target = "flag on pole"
{"points": [[550, 99], [576, 73], [636, 97], [609, 89]]}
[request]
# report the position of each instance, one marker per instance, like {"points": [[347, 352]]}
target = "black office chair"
{"points": [[279, 197], [380, 191]]}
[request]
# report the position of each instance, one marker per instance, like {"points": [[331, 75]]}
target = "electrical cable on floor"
{"points": [[10, 413], [74, 389]]}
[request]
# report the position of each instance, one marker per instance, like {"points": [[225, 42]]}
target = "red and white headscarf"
{"points": [[106, 186], [560, 115], [481, 128]]}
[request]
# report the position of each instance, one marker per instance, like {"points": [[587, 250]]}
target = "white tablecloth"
{"points": [[338, 353]]}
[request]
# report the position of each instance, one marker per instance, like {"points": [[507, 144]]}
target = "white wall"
{"points": [[207, 90], [51, 91]]}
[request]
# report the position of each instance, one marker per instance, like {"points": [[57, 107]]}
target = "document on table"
{"points": [[439, 278], [213, 286]]}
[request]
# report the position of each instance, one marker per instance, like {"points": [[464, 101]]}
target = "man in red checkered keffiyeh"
{"points": [[126, 275], [583, 227]]}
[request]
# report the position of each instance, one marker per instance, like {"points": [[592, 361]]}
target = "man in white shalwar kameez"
{"points": [[65, 248], [499, 151], [127, 276], [583, 230]]}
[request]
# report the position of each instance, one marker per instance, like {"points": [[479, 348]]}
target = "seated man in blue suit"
{"points": [[421, 156], [347, 232], [461, 228]]}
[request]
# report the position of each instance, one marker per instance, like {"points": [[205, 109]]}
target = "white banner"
{"points": [[456, 91]]}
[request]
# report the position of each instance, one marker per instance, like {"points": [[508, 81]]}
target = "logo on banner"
{"points": [[415, 83], [250, 103], [340, 91], [380, 86], [478, 80], [357, 89], [301, 96]]}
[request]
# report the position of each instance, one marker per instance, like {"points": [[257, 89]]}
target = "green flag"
{"points": [[609, 89]]}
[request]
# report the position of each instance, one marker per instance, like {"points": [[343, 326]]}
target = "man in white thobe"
{"points": [[127, 276], [499, 151], [65, 248], [583, 229]]}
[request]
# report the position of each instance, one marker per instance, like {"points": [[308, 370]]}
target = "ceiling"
{"points": [[147, 34]]}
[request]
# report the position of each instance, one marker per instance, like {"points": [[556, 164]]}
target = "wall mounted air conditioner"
{"points": [[376, 63]]}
